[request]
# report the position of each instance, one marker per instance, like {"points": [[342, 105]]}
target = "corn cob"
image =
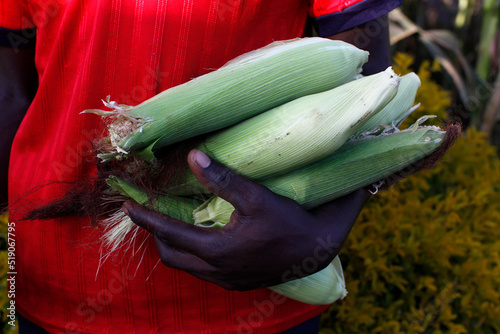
{"points": [[399, 108], [359, 163], [321, 288], [119, 225], [298, 132], [250, 84]]}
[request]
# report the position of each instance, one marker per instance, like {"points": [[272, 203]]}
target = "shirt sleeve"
{"points": [[17, 29], [334, 16]]}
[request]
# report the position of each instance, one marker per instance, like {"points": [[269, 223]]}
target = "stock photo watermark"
{"points": [[11, 274], [39, 17]]}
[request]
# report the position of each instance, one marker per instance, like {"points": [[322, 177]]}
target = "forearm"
{"points": [[374, 38], [18, 80]]}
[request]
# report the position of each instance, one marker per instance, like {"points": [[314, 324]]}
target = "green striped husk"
{"points": [[176, 207], [118, 227], [248, 85], [401, 106], [321, 288]]}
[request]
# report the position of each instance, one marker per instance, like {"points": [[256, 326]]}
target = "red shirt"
{"points": [[131, 50]]}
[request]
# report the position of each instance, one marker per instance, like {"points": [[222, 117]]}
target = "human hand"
{"points": [[266, 240]]}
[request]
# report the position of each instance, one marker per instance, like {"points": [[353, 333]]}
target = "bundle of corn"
{"points": [[299, 128]]}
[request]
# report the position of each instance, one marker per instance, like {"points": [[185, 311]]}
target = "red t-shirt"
{"points": [[131, 50]]}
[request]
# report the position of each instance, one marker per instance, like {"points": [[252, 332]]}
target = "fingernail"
{"points": [[125, 208], [201, 159]]}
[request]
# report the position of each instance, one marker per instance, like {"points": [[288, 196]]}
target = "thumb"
{"points": [[225, 183]]}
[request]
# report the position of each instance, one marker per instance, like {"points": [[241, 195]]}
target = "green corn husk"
{"points": [[248, 85], [359, 163], [119, 226], [321, 288], [296, 133], [401, 106], [176, 207]]}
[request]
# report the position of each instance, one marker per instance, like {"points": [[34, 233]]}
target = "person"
{"points": [[61, 57]]}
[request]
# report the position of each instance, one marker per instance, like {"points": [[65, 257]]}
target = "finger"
{"points": [[241, 192], [182, 260], [211, 279], [174, 232], [189, 263]]}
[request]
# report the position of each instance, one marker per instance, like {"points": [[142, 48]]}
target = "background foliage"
{"points": [[464, 37], [424, 256]]}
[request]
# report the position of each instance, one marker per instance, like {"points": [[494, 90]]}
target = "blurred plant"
{"points": [[477, 87], [488, 56], [424, 256], [433, 99]]}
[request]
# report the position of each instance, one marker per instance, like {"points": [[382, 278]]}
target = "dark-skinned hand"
{"points": [[269, 240]]}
